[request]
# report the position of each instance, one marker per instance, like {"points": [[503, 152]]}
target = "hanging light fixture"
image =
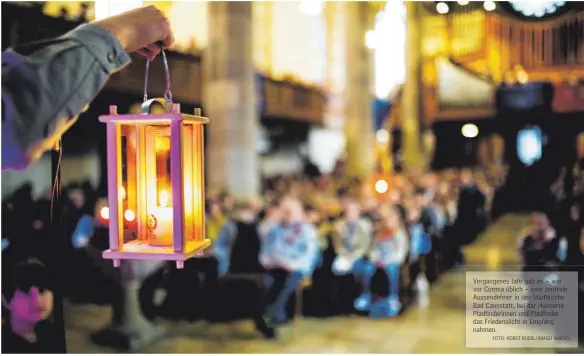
{"points": [[442, 8], [489, 5]]}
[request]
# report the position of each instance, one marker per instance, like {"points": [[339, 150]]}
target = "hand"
{"points": [[140, 29]]}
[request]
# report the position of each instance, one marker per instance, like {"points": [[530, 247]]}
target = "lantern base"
{"points": [[139, 250]]}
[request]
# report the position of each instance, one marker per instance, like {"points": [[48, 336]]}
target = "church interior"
{"points": [[464, 119]]}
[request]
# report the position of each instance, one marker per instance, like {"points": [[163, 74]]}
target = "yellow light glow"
{"points": [[104, 213], [463, 2], [490, 5], [161, 145], [123, 192], [164, 198], [522, 77], [382, 136], [381, 186], [129, 215], [442, 8], [311, 7], [470, 131], [370, 39]]}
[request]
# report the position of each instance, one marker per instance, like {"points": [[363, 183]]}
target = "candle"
{"points": [[160, 222]]}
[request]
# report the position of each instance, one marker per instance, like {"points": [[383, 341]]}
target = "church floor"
{"points": [[438, 328]]}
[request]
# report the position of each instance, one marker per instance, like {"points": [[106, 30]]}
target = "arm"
{"points": [[401, 247], [363, 241], [337, 238], [306, 261], [267, 250], [47, 84], [222, 246], [83, 232]]}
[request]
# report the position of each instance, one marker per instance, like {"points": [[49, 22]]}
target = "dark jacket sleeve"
{"points": [[46, 85]]}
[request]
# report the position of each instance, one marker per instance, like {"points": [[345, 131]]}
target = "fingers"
{"points": [[168, 39], [148, 54]]}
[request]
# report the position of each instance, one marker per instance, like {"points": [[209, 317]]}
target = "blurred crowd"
{"points": [[317, 246]]}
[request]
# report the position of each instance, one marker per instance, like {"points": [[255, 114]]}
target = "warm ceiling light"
{"points": [[442, 8], [489, 5], [381, 186], [463, 2], [382, 136], [470, 131]]}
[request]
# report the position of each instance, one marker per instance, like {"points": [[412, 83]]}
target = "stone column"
{"points": [[358, 93], [413, 154], [229, 100]]}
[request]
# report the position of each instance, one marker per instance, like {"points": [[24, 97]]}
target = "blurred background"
{"points": [[470, 111]]}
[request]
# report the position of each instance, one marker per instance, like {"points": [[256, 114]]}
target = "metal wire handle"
{"points": [[167, 92]]}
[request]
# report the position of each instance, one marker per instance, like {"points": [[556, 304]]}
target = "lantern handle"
{"points": [[167, 92]]}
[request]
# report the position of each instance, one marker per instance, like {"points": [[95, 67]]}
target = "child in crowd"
{"points": [[29, 301], [388, 253]]}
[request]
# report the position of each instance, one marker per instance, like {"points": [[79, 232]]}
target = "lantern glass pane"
{"points": [[128, 190], [189, 169], [159, 213]]}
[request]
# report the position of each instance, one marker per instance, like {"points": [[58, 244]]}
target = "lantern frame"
{"points": [[186, 137]]}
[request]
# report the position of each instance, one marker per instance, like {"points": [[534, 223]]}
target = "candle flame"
{"points": [[129, 215], [164, 198]]}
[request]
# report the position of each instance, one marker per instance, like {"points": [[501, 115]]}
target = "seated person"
{"points": [[314, 217], [541, 250], [389, 251], [238, 246], [29, 301], [351, 240], [288, 253], [420, 246], [207, 265], [271, 216]]}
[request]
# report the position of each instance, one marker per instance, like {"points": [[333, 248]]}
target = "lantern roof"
{"points": [[153, 119]]}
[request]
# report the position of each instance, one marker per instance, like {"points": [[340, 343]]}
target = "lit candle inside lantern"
{"points": [[160, 222]]}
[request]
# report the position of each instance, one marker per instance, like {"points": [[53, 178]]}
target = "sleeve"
{"points": [[266, 249], [306, 262], [337, 239], [223, 247], [83, 231], [363, 242], [562, 251], [401, 246], [45, 85]]}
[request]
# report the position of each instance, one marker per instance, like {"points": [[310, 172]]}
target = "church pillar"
{"points": [[413, 154], [229, 99], [358, 91]]}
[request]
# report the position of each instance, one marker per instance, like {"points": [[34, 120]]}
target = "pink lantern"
{"points": [[155, 184]]}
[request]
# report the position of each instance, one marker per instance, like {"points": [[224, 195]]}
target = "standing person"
{"points": [[45, 85], [288, 253]]}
